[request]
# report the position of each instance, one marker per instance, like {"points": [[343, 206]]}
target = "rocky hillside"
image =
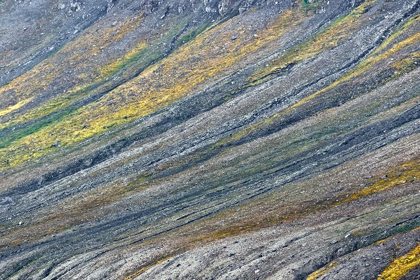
{"points": [[210, 139]]}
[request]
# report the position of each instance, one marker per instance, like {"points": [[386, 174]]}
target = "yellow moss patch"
{"points": [[406, 173], [383, 240], [160, 85], [402, 265], [111, 68], [413, 20], [322, 271], [407, 62], [360, 69], [15, 107], [46, 109], [79, 54], [77, 92], [374, 58], [323, 41]]}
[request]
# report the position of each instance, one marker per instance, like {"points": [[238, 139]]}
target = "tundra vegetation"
{"points": [[215, 139]]}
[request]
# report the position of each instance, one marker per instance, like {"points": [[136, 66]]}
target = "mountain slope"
{"points": [[214, 139]]}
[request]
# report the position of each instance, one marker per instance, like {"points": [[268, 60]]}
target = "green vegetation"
{"points": [[187, 68], [120, 63], [102, 161], [33, 128], [310, 4], [191, 35]]}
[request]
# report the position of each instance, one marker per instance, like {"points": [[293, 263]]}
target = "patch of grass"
{"points": [[141, 51], [53, 105]]}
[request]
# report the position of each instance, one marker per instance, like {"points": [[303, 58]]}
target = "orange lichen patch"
{"points": [[402, 265], [17, 241], [407, 173], [383, 240], [323, 41], [322, 271], [180, 74]]}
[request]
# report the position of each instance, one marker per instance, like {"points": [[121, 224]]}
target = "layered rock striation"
{"points": [[214, 139]]}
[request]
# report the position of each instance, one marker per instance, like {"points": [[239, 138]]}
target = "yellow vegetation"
{"points": [[363, 66], [406, 173], [79, 54], [15, 107], [112, 67], [407, 62], [322, 271], [360, 69], [160, 85], [402, 265], [413, 20], [325, 40], [78, 91]]}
